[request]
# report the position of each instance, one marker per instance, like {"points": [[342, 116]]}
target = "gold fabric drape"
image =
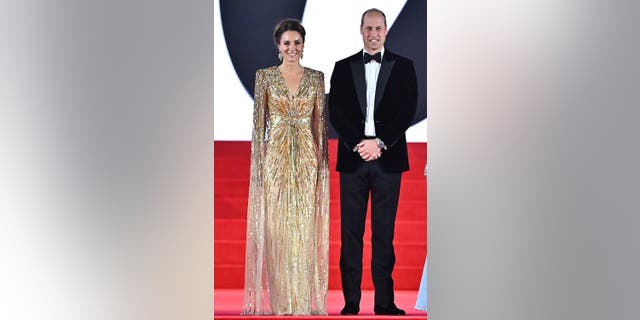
{"points": [[286, 270]]}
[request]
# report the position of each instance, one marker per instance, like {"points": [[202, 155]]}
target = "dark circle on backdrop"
{"points": [[248, 32]]}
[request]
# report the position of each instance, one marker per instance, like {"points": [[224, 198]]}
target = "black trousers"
{"points": [[355, 188]]}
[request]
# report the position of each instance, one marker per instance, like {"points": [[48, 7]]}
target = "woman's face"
{"points": [[291, 46]]}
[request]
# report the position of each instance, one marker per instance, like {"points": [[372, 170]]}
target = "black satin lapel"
{"points": [[383, 77], [357, 69]]}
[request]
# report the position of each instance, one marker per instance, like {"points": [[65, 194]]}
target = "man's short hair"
{"points": [[373, 10]]}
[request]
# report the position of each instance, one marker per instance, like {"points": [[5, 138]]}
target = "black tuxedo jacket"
{"points": [[394, 109]]}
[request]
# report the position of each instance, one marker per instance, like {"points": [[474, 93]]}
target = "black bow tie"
{"points": [[376, 57]]}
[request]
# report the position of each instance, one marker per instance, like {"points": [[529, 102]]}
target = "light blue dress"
{"points": [[421, 301]]}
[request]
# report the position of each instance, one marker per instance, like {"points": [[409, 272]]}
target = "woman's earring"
{"points": [[279, 56], [301, 54]]}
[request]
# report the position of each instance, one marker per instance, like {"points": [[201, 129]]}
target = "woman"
{"points": [[288, 214]]}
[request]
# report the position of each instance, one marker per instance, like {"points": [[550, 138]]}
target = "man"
{"points": [[372, 103]]}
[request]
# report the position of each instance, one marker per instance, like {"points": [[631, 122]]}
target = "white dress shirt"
{"points": [[371, 71]]}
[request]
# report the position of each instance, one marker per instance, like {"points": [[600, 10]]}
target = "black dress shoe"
{"points": [[350, 310], [390, 311]]}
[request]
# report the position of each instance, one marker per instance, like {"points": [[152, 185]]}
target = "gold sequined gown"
{"points": [[286, 270]]}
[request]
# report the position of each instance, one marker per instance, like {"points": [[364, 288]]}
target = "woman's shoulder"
{"points": [[315, 73], [266, 70]]}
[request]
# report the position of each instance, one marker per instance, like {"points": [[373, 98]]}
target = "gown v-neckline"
{"points": [[290, 93]]}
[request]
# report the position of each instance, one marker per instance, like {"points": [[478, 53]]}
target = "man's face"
{"points": [[373, 32]]}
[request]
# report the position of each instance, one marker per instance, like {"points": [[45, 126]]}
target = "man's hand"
{"points": [[369, 150]]}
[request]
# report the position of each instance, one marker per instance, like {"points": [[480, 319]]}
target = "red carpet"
{"points": [[228, 304], [231, 188]]}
